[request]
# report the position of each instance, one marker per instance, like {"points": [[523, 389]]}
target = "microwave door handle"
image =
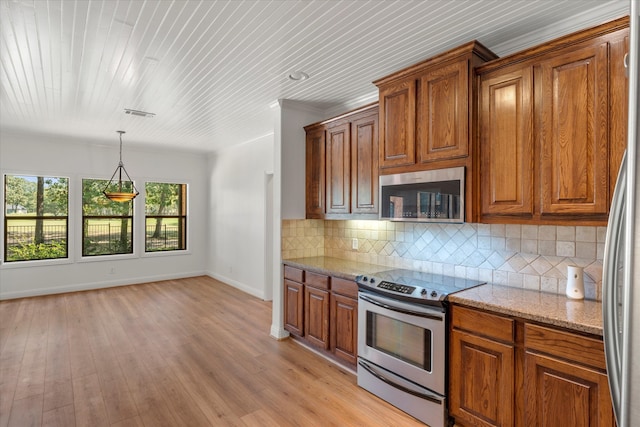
{"points": [[398, 309], [431, 398]]}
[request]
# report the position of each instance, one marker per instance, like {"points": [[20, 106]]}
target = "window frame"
{"points": [[81, 223], [68, 259], [184, 216]]}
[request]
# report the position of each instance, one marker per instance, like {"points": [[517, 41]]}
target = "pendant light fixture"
{"points": [[120, 195]]}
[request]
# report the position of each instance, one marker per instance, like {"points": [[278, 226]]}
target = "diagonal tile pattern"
{"points": [[525, 256]]}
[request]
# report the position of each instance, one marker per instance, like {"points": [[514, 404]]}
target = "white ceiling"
{"points": [[210, 69]]}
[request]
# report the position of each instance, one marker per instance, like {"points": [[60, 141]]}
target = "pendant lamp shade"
{"points": [[115, 190]]}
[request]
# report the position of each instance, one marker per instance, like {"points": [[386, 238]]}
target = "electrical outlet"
{"points": [[354, 244]]}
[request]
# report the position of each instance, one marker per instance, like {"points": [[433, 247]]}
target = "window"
{"points": [[166, 217], [107, 227], [36, 222]]}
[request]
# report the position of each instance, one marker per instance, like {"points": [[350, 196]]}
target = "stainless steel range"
{"points": [[402, 338]]}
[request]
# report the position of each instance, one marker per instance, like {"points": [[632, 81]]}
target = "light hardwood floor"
{"points": [[189, 352]]}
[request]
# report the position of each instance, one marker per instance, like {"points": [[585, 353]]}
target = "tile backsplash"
{"points": [[523, 256]]}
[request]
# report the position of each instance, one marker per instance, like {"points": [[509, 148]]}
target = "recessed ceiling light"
{"points": [[298, 76]]}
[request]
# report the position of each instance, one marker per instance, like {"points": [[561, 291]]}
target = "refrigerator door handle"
{"points": [[610, 297]]}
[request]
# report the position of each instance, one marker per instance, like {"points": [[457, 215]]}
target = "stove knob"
{"points": [[434, 294], [423, 292], [372, 280], [364, 278]]}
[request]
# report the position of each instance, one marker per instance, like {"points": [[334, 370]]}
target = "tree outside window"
{"points": [[107, 227], [36, 217], [166, 216]]}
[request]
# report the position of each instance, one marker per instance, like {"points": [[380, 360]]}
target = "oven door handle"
{"points": [[430, 398], [399, 309]]}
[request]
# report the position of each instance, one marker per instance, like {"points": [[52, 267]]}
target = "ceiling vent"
{"points": [[138, 113]]}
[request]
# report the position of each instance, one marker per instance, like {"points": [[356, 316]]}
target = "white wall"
{"points": [[76, 159], [237, 191]]}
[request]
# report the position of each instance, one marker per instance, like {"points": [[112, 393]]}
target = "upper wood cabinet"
{"points": [[425, 111], [397, 124], [315, 172], [443, 112], [552, 129], [506, 142], [342, 166], [573, 130], [364, 164], [338, 164]]}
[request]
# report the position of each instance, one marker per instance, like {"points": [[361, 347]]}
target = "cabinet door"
{"points": [[397, 124], [344, 328], [364, 165], [563, 394], [443, 113], [316, 316], [506, 142], [481, 376], [338, 165], [293, 307], [574, 131], [315, 173]]}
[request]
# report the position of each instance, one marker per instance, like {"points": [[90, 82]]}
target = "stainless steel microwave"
{"points": [[425, 196]]}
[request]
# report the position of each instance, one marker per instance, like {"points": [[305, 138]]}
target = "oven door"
{"points": [[403, 338]]}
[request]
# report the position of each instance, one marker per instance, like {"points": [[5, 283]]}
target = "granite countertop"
{"points": [[557, 310], [337, 267], [551, 309]]}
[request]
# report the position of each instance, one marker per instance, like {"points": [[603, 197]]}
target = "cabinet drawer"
{"points": [[584, 350], [293, 274], [482, 323], [316, 280], [348, 288]]}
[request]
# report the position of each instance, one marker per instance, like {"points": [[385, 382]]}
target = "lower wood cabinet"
{"points": [[323, 312], [344, 320], [316, 316], [481, 368], [510, 372], [566, 380], [294, 303]]}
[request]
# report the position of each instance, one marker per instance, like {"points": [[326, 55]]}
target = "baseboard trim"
{"points": [[96, 285], [236, 284]]}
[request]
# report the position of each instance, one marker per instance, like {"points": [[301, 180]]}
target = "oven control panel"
{"points": [[403, 289]]}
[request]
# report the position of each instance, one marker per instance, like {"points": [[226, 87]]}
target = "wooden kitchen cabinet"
{"points": [[316, 309], [338, 164], [507, 371], [566, 380], [294, 300], [397, 123], [364, 164], [316, 316], [342, 166], [344, 320], [322, 312], [552, 129], [482, 368], [425, 113], [506, 142], [315, 173], [573, 124]]}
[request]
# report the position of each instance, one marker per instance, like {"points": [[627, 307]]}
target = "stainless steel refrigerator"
{"points": [[621, 270]]}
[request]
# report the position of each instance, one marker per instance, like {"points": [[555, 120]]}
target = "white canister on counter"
{"points": [[575, 282]]}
